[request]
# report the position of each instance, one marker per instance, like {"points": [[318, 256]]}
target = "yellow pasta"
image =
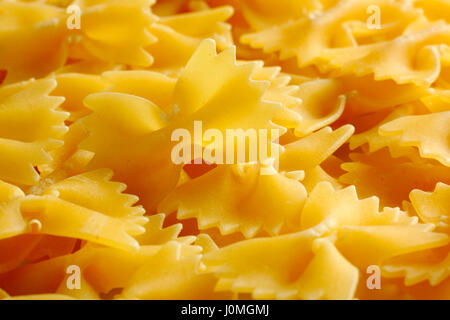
{"points": [[291, 264], [233, 204], [25, 142], [226, 149], [308, 38]]}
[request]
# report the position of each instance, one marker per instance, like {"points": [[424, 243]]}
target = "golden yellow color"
{"points": [[360, 107]]}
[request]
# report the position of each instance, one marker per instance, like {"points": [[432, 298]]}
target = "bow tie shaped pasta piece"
{"points": [[238, 198], [309, 39], [30, 126], [294, 266], [132, 136]]}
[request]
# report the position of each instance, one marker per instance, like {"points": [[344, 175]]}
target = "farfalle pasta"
{"points": [[199, 149]]}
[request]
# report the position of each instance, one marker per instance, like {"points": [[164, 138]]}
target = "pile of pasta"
{"points": [[363, 175]]}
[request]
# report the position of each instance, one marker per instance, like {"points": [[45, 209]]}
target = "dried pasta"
{"points": [[200, 149]]}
